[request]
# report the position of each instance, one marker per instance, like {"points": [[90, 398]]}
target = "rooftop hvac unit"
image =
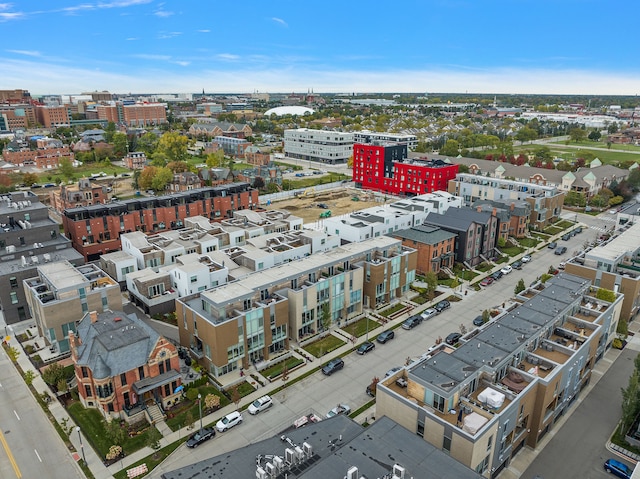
{"points": [[278, 463], [24, 261], [352, 472], [299, 453], [308, 450], [35, 260], [260, 473], [11, 248], [46, 257], [271, 469], [289, 456], [398, 472]]}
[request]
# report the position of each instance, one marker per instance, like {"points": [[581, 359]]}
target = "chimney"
{"points": [[494, 212], [513, 206], [94, 316]]}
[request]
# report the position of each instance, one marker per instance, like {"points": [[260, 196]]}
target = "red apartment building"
{"points": [[386, 168], [95, 230], [138, 114]]}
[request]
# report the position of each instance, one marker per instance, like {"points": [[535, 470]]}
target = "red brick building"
{"points": [[385, 167], [52, 116], [138, 114], [123, 366], [46, 157], [95, 230]]}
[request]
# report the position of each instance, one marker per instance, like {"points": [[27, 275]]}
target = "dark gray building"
{"points": [[333, 448], [28, 238]]}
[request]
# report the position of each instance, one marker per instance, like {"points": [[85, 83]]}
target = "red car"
{"points": [[487, 281]]}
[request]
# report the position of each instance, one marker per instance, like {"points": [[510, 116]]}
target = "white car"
{"points": [[506, 270], [429, 313], [230, 420], [339, 409], [526, 258], [260, 404]]}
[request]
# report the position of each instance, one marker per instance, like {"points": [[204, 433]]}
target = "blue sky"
{"points": [[475, 46]]}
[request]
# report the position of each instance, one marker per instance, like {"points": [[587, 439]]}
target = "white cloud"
{"points": [[203, 31], [131, 39], [149, 56], [167, 35], [29, 53], [163, 13], [6, 16], [228, 56], [182, 63], [280, 21]]}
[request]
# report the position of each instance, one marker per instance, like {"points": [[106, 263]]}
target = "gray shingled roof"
{"points": [[459, 219], [114, 344]]}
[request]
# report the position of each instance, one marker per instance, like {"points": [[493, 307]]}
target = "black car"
{"points": [[201, 436], [552, 245], [478, 321], [453, 338], [517, 265], [332, 366], [412, 321], [578, 230], [385, 336], [561, 250], [497, 275], [442, 305], [365, 347], [566, 237]]}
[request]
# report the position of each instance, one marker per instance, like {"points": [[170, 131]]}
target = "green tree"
{"points": [[148, 143], [153, 439], [178, 166], [431, 280], [450, 148], [502, 242], [53, 374], [215, 159], [606, 295], [594, 135], [66, 169], [577, 134], [29, 179], [526, 134], [115, 432], [325, 316], [161, 179], [630, 400], [520, 287], [172, 146], [29, 376], [13, 353], [120, 144], [109, 131], [486, 315]]}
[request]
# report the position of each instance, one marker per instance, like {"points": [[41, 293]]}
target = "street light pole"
{"points": [[200, 408], [84, 459]]}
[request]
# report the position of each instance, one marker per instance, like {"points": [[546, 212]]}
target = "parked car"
{"points": [[201, 436], [385, 336], [392, 371], [371, 391], [323, 206], [487, 281], [453, 338], [411, 322], [578, 230], [497, 275], [526, 258], [339, 409], [429, 313], [506, 269], [613, 212], [517, 265], [552, 245], [299, 175], [560, 250], [365, 347], [260, 404], [478, 321], [332, 366], [232, 419], [617, 468], [566, 237], [442, 305]]}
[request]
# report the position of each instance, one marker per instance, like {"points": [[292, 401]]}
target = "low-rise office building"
{"points": [[332, 147], [228, 327], [505, 385]]}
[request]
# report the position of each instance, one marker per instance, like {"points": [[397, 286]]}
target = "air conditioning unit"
{"points": [[352, 472], [398, 471], [261, 473]]}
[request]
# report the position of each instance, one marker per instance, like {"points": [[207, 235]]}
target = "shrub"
{"points": [[114, 452]]}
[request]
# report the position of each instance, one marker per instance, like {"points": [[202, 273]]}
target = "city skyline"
{"points": [[139, 46]]}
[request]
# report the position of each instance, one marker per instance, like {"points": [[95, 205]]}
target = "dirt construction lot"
{"points": [[338, 201]]}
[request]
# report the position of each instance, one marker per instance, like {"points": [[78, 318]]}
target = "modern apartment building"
{"points": [[546, 201], [322, 146], [96, 229], [614, 265], [436, 247], [513, 216], [61, 294], [366, 136], [228, 327], [505, 385], [122, 365], [385, 167], [232, 146], [28, 238], [377, 221]]}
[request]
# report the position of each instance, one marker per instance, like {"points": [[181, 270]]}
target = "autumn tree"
{"points": [[53, 374], [215, 159], [146, 177], [172, 146], [29, 179], [178, 166], [162, 178], [148, 143]]}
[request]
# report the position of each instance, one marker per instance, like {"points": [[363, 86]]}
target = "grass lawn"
{"points": [[553, 230], [600, 144], [564, 224], [502, 259], [484, 267], [276, 370], [467, 275], [420, 300], [151, 461], [323, 346], [359, 328], [512, 250], [310, 181], [529, 242], [92, 424], [245, 388], [179, 412], [445, 282], [607, 157], [393, 309]]}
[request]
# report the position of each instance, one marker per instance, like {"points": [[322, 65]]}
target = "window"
{"points": [[14, 282], [141, 372], [87, 390], [446, 444], [85, 373], [438, 403], [14, 297], [123, 379]]}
